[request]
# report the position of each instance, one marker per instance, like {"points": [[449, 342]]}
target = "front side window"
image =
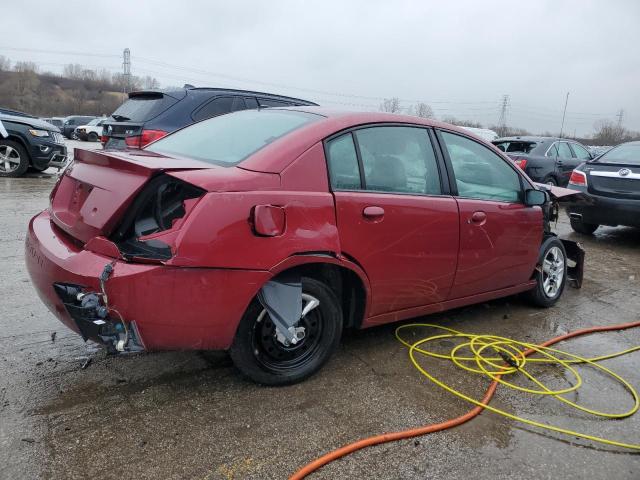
{"points": [[479, 172], [229, 139], [398, 159], [563, 150], [580, 152]]}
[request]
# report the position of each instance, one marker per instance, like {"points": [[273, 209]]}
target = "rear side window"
{"points": [[553, 151], [580, 152], [343, 163], [479, 172], [229, 139], [217, 106], [141, 108], [398, 159], [268, 102]]}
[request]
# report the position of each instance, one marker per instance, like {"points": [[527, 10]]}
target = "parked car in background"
{"points": [[28, 142], [547, 160], [483, 133], [56, 121], [72, 122], [598, 150], [612, 181], [92, 131], [149, 115], [294, 224]]}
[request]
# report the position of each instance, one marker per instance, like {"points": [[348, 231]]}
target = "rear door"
{"points": [[566, 162], [395, 216], [499, 235]]}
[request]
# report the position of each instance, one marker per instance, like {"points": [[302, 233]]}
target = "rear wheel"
{"points": [[582, 227], [551, 181], [264, 356], [14, 160], [552, 276], [93, 137]]}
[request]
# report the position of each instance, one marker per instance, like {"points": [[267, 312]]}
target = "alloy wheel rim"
{"points": [[9, 159], [274, 355], [552, 272]]}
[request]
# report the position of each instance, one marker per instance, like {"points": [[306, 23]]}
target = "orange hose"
{"points": [[436, 427]]}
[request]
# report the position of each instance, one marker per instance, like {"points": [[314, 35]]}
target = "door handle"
{"points": [[478, 218], [373, 213], [559, 163]]}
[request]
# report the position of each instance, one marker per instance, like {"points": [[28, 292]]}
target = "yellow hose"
{"points": [[512, 358]]}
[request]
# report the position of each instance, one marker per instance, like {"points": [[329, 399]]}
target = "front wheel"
{"points": [[264, 356], [551, 276], [93, 137], [14, 160]]}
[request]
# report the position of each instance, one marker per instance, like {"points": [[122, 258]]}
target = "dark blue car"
{"points": [[149, 115]]}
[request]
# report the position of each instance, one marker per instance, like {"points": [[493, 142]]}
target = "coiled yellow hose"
{"points": [[513, 358]]}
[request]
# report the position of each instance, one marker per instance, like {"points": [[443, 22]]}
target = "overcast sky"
{"points": [[458, 56]]}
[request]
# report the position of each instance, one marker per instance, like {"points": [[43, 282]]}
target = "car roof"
{"points": [[215, 90], [532, 138], [332, 121]]}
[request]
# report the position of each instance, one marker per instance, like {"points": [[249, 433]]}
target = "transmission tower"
{"points": [[126, 70], [620, 116], [502, 122]]}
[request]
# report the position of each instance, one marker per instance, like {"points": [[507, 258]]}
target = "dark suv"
{"points": [[150, 115], [547, 160], [71, 123], [28, 142]]}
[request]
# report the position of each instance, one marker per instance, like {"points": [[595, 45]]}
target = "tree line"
{"points": [[605, 132], [77, 91]]}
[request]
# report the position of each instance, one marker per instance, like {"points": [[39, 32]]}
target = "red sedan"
{"points": [[267, 232]]}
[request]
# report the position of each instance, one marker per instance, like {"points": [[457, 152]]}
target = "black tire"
{"points": [[549, 180], [73, 136], [33, 168], [542, 295], [262, 358], [16, 153], [582, 227], [93, 137]]}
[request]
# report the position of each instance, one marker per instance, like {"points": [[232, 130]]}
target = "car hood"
{"points": [[30, 122]]}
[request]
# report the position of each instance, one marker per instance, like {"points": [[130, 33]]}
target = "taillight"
{"points": [[145, 138], [578, 178], [520, 162]]}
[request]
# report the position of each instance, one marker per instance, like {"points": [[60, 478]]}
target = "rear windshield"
{"points": [[519, 147], [629, 153], [229, 139], [143, 107]]}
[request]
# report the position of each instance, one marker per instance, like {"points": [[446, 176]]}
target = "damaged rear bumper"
{"points": [[168, 308]]}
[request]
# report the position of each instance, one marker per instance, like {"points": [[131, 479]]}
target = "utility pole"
{"points": [[502, 121], [564, 112], [126, 71]]}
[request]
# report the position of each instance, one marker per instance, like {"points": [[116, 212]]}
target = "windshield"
{"points": [[95, 121], [520, 147], [625, 153], [229, 139]]}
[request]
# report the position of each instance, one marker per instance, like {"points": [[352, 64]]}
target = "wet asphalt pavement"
{"points": [[190, 415]]}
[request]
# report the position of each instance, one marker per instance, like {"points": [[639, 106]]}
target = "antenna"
{"points": [[126, 70], [566, 101], [502, 122]]}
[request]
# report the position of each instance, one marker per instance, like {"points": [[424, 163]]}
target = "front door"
{"points": [[393, 218], [499, 236]]}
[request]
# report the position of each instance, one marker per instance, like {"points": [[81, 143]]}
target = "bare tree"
{"points": [[149, 83], [421, 110], [461, 123], [72, 70], [390, 105], [5, 64], [25, 67], [609, 133]]}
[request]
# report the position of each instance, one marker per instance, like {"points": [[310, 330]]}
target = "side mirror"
{"points": [[534, 197]]}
